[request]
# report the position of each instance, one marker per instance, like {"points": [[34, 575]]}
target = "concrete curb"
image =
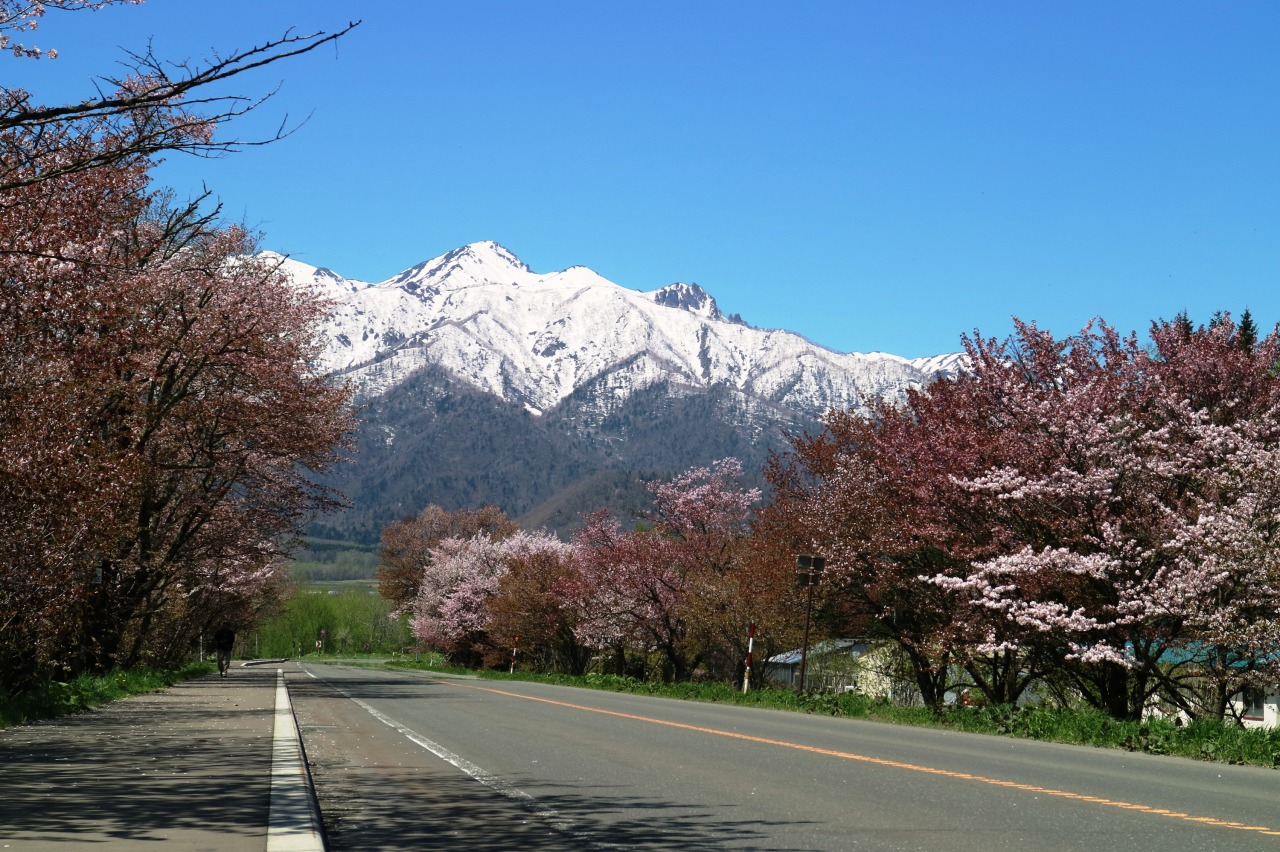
{"points": [[248, 663], [294, 822]]}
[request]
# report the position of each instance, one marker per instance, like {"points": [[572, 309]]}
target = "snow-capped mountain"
{"points": [[533, 339], [548, 395]]}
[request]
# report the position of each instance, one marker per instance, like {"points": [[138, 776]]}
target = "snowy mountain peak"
{"points": [[487, 255], [484, 317], [484, 262], [688, 297]]}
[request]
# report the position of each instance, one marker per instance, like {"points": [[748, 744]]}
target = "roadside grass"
{"points": [[62, 698], [433, 662], [1202, 740]]}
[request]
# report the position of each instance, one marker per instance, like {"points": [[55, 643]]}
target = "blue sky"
{"points": [[875, 176]]}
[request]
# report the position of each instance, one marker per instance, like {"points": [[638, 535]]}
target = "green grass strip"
{"points": [[61, 698]]}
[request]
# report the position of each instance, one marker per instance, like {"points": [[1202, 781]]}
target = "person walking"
{"points": [[224, 639]]}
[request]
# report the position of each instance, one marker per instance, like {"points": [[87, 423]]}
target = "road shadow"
{"points": [[394, 807], [382, 808], [194, 758], [389, 687]]}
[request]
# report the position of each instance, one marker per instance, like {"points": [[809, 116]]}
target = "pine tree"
{"points": [[1183, 324], [1247, 332]]}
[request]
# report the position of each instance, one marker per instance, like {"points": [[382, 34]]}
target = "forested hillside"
{"points": [[435, 440]]}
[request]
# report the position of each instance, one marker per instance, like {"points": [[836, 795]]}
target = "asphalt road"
{"points": [[417, 761]]}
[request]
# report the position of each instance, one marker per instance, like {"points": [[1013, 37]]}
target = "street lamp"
{"points": [[808, 571]]}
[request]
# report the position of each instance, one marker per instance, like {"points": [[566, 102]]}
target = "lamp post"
{"points": [[808, 571]]}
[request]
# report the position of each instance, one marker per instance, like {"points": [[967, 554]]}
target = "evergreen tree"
{"points": [[1183, 324], [1246, 332]]}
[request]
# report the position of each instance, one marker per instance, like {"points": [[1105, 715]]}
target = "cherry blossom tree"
{"points": [[705, 517], [626, 592], [532, 610], [865, 497], [160, 413], [407, 544], [164, 411], [1124, 489], [1085, 509], [673, 588], [461, 578], [1111, 465], [23, 16]]}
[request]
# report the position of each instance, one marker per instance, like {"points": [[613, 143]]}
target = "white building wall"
{"points": [[1270, 711]]}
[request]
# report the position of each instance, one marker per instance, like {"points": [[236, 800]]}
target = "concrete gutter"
{"points": [[294, 822]]}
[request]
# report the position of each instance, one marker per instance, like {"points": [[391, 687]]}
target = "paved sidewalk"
{"points": [[190, 767]]}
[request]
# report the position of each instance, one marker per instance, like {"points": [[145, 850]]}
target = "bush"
{"points": [[61, 698]]}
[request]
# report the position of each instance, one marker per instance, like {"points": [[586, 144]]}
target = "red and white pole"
{"points": [[751, 640], [515, 648]]}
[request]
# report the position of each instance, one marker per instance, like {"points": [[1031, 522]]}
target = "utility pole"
{"points": [[808, 570]]}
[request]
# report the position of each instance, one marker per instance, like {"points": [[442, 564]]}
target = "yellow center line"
{"points": [[880, 761]]}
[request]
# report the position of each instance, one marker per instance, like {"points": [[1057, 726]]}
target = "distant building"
{"points": [[833, 665], [1258, 708]]}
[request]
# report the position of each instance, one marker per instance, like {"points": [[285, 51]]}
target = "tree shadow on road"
{"points": [[145, 768], [371, 807], [385, 808], [380, 687]]}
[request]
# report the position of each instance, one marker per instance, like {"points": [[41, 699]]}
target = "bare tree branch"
{"points": [[152, 110]]}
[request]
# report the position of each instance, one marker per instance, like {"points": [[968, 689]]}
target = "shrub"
{"points": [[54, 698]]}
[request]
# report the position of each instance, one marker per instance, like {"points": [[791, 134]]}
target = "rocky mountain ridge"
{"points": [[534, 339], [462, 359]]}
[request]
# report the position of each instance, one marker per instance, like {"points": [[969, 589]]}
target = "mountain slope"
{"points": [[484, 381]]}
